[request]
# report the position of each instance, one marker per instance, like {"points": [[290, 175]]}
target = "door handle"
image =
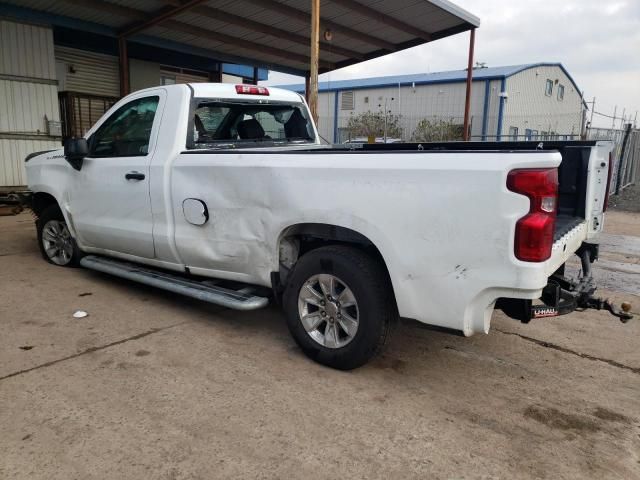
{"points": [[134, 176]]}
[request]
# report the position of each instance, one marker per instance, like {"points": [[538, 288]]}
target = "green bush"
{"points": [[437, 131], [373, 124]]}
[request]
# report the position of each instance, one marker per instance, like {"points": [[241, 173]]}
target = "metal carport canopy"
{"points": [[273, 34]]}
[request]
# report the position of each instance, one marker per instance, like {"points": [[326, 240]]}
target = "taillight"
{"points": [[252, 90], [534, 231], [606, 195]]}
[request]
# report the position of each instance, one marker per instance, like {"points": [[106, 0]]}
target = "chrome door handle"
{"points": [[134, 176]]}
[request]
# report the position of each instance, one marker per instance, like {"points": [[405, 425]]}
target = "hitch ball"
{"points": [[626, 307]]}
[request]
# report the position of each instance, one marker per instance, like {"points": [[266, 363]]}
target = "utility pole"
{"points": [[315, 53], [613, 122], [593, 107]]}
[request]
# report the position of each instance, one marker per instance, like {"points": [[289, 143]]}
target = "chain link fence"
{"points": [[625, 154], [353, 127]]}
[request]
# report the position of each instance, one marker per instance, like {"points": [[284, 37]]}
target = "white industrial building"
{"points": [[524, 102]]}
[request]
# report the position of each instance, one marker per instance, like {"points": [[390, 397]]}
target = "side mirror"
{"points": [[75, 149]]}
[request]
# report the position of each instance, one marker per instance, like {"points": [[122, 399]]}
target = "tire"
{"points": [[356, 277], [57, 246]]}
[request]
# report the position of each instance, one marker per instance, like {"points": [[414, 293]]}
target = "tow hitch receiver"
{"points": [[564, 295]]}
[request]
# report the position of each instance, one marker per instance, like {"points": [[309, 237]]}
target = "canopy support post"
{"points": [[467, 102], [315, 53], [123, 58]]}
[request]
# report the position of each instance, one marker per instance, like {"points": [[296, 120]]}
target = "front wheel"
{"points": [[340, 306], [54, 239]]}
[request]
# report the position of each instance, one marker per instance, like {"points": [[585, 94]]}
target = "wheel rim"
{"points": [[57, 242], [328, 310]]}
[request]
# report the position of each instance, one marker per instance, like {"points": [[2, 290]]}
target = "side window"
{"points": [[527, 134], [548, 88], [560, 92], [513, 133], [127, 131]]}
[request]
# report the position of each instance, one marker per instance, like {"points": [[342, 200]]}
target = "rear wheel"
{"points": [[54, 238], [339, 306]]}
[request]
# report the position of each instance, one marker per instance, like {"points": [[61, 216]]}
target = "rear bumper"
{"points": [[564, 295]]}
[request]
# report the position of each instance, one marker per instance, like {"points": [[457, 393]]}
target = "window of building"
{"points": [[527, 134], [534, 134], [560, 92], [548, 89], [544, 135], [366, 99], [347, 101], [513, 133]]}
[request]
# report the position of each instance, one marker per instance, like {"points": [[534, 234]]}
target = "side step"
{"points": [[237, 300]]}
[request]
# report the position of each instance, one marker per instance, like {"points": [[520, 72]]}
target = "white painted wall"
{"points": [[529, 107], [433, 101]]}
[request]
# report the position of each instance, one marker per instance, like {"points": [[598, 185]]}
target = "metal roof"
{"points": [[451, 76], [272, 34]]}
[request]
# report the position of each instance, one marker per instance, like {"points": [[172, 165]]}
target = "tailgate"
{"points": [[583, 176]]}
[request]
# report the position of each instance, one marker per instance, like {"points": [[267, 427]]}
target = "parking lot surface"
{"points": [[153, 385]]}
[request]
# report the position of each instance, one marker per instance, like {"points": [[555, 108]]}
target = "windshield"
{"points": [[218, 123]]}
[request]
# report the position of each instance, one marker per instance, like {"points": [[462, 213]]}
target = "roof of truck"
{"points": [[228, 90]]}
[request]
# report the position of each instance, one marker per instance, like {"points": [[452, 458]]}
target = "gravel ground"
{"points": [[152, 385], [628, 200]]}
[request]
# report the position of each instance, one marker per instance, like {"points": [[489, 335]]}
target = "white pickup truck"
{"points": [[225, 193]]}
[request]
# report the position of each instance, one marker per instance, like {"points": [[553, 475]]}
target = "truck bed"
{"points": [[572, 173]]}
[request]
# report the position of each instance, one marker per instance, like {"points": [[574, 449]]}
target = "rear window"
{"points": [[222, 124]]}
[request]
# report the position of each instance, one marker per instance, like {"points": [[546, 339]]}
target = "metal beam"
{"points": [[305, 18], [382, 18], [111, 8], [467, 101], [221, 16], [123, 58], [159, 16], [307, 79], [238, 43]]}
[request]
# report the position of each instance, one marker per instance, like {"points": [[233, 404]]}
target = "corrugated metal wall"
{"points": [[88, 72], [26, 51], [529, 107], [12, 155], [184, 77], [24, 106], [28, 94]]}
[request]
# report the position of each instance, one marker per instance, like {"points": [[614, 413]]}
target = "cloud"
{"points": [[598, 42]]}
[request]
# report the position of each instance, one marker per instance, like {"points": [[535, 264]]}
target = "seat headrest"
{"points": [[250, 129], [296, 126]]}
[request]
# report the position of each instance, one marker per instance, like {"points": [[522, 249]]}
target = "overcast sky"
{"points": [[598, 41]]}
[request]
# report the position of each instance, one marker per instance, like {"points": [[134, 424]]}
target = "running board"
{"points": [[237, 300]]}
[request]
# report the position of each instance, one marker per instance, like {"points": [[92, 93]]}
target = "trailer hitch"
{"points": [[623, 312], [564, 295]]}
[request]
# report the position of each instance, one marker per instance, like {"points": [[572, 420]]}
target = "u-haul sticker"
{"points": [[540, 312]]}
